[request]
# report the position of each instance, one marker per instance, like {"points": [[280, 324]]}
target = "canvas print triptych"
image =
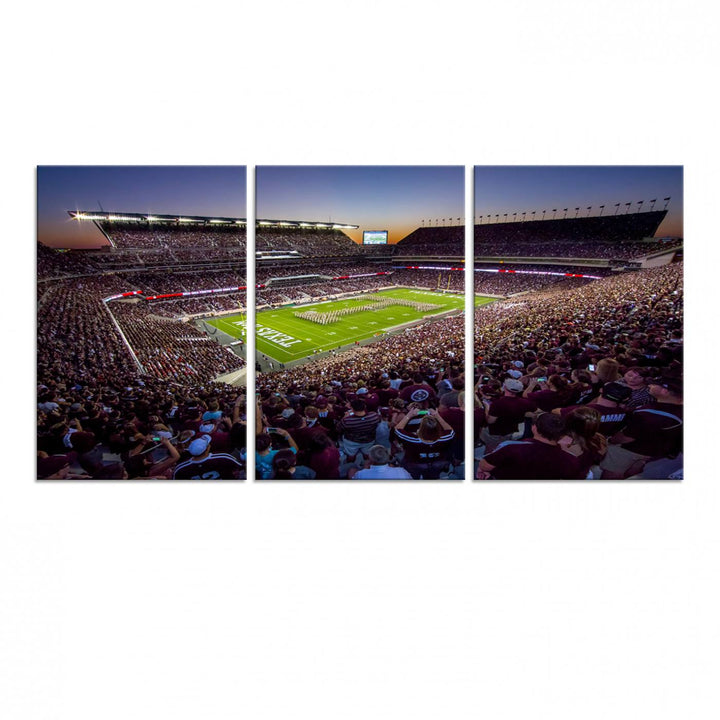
{"points": [[358, 362]]}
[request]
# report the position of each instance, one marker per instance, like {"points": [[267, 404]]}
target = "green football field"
{"points": [[282, 336]]}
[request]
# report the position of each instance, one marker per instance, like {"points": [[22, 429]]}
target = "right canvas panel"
{"points": [[578, 281]]}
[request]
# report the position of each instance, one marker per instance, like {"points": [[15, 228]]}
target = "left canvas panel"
{"points": [[136, 269]]}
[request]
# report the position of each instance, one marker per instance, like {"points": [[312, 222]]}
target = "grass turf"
{"points": [[283, 337]]}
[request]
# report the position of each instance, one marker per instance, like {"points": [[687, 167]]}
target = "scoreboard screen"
{"points": [[375, 237]]}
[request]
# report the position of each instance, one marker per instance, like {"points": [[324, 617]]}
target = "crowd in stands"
{"points": [[171, 349], [53, 263], [575, 379], [120, 425], [101, 416], [263, 272], [390, 410], [168, 237], [603, 360], [510, 283], [618, 250], [439, 241], [309, 243]]}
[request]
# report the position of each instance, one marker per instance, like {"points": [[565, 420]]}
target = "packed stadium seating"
{"points": [[135, 384]]}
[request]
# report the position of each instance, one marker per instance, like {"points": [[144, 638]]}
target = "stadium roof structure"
{"points": [[306, 224], [102, 216]]}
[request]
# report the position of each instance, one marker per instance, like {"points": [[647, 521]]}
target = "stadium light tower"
{"points": [[666, 200], [577, 210], [640, 204], [627, 207], [497, 215], [543, 217], [523, 217], [505, 216], [533, 214], [617, 207], [554, 211], [565, 211], [652, 204], [602, 207], [589, 208], [514, 216]]}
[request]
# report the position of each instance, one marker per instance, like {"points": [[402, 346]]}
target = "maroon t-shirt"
{"points": [[510, 412], [385, 395], [533, 460], [326, 464], [546, 400], [455, 418], [418, 393], [611, 419], [657, 430]]}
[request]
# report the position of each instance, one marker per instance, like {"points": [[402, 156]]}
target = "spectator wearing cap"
{"points": [[611, 407], [205, 465], [652, 432], [538, 458], [505, 413], [377, 467]]}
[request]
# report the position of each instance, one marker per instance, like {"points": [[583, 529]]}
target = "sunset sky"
{"points": [[509, 189], [189, 190], [396, 199]]}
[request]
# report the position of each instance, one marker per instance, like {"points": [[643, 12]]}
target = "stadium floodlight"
{"points": [[264, 222], [218, 222], [185, 220], [241, 222], [151, 218], [122, 218], [84, 216]]}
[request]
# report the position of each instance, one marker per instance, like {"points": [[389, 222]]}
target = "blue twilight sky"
{"points": [[189, 190], [509, 189], [393, 198]]}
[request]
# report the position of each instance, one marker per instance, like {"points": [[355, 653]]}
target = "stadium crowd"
{"points": [[322, 243], [393, 409], [594, 372]]}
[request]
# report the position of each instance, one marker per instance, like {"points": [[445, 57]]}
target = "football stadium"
{"points": [[130, 384], [360, 367], [361, 355], [578, 369]]}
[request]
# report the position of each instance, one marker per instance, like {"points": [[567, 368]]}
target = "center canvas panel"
{"points": [[360, 323]]}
